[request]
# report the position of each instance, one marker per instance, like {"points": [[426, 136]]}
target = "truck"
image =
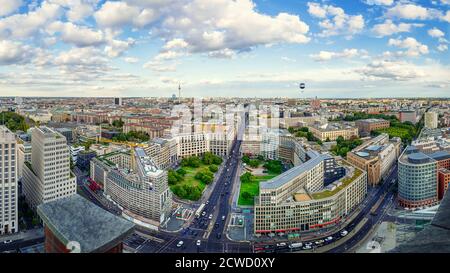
{"points": [[199, 210]]}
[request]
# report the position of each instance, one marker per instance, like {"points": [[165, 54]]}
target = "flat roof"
{"points": [[76, 219], [293, 173]]}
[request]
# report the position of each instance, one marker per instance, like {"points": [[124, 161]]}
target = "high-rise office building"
{"points": [[118, 101], [431, 120], [8, 182], [48, 177]]}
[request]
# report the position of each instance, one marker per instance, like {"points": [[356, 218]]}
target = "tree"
{"points": [[254, 163], [118, 123], [213, 168], [246, 159], [246, 195], [181, 171], [205, 176], [246, 177]]}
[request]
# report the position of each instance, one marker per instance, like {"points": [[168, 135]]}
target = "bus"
{"points": [[199, 210]]}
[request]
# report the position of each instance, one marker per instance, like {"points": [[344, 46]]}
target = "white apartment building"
{"points": [[431, 120], [8, 182], [48, 177], [23, 154], [74, 151]]}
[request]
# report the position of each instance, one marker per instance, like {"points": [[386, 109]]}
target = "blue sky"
{"points": [[264, 48]]}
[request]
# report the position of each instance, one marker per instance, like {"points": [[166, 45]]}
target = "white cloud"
{"points": [[26, 25], [222, 54], [329, 55], [14, 53], [435, 33], [212, 25], [77, 9], [287, 59], [391, 70], [77, 35], [388, 28], [415, 12], [131, 60], [380, 2], [118, 14], [335, 21], [412, 46], [442, 47], [9, 6]]}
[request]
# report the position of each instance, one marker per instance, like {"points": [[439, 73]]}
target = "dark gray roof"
{"points": [[435, 238], [293, 173], [76, 219], [440, 155]]}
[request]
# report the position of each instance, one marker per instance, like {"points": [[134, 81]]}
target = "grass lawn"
{"points": [[252, 188]]}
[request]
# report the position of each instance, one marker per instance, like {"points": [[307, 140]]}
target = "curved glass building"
{"points": [[417, 179]]}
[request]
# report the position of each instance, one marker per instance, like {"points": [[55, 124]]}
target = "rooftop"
{"points": [[293, 173], [77, 219], [345, 181]]}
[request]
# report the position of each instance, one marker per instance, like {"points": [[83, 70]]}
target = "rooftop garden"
{"points": [[345, 182]]}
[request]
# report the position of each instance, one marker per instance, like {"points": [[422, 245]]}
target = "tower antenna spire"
{"points": [[179, 90]]}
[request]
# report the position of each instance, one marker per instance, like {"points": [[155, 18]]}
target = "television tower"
{"points": [[179, 90]]}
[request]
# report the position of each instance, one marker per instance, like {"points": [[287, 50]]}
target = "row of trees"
{"points": [[207, 159], [187, 191], [274, 166], [136, 136]]}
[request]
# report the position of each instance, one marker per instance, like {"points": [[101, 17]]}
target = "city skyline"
{"points": [[132, 48]]}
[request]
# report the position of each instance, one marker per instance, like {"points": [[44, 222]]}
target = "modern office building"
{"points": [[74, 151], [365, 126], [417, 179], [298, 200], [67, 133], [48, 177], [118, 101], [76, 225], [8, 182], [376, 156], [135, 183], [84, 160], [163, 151], [431, 120], [332, 131], [23, 155]]}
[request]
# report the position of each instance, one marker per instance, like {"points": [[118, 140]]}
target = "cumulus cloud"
{"points": [[390, 70], [25, 25], [416, 12], [77, 35], [131, 60], [435, 33], [335, 21], [442, 47], [388, 28], [222, 54], [9, 6], [412, 46], [119, 14], [211, 25], [14, 53], [77, 10], [329, 55]]}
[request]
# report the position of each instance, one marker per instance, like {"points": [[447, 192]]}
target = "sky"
{"points": [[225, 48]]}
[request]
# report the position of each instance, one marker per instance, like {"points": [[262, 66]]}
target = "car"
{"points": [[344, 232], [218, 235], [210, 217], [207, 202], [180, 244], [7, 241], [306, 247], [223, 217], [204, 213], [308, 244], [198, 242], [329, 238], [295, 245], [281, 244]]}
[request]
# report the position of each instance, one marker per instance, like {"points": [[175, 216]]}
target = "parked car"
{"points": [[210, 217], [7, 241], [180, 244], [281, 244], [344, 232], [198, 242]]}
